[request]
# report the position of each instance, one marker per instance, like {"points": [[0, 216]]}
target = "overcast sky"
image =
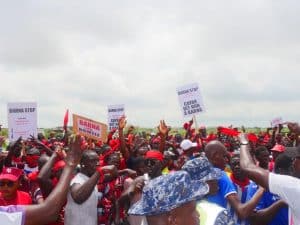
{"points": [[85, 55]]}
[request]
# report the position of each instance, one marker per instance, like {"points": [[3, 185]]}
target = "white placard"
{"points": [[22, 120], [190, 100], [276, 121], [114, 114]]}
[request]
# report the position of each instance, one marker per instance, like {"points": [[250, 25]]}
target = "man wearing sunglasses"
{"points": [[9, 183]]}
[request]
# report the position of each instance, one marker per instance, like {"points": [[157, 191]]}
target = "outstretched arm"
{"points": [[48, 211], [163, 132], [124, 151], [255, 173]]}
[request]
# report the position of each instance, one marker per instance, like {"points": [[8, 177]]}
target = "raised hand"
{"points": [[36, 141], [243, 139], [163, 128], [75, 153], [122, 122]]}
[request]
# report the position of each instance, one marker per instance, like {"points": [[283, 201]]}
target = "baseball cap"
{"points": [[278, 148], [201, 169], [167, 192], [187, 144], [10, 173], [154, 154]]}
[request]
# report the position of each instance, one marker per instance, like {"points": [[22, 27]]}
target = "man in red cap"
{"points": [[154, 163], [9, 183], [276, 151]]}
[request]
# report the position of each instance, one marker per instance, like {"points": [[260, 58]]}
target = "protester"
{"points": [[47, 211], [9, 184], [200, 169], [285, 186], [82, 201], [217, 155], [188, 148], [170, 199]]}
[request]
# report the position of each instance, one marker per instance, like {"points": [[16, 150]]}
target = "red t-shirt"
{"points": [[22, 198]]}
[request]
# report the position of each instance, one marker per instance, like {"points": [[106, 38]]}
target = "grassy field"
{"points": [[58, 131]]}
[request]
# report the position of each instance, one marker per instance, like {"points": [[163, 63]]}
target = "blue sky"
{"points": [[69, 54]]}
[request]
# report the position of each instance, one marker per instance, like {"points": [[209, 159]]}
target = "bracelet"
{"points": [[244, 143]]}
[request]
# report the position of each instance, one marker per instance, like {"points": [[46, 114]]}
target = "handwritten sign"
{"points": [[114, 113], [89, 128], [190, 100], [22, 120]]}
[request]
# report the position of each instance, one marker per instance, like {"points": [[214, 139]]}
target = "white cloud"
{"points": [[84, 56]]}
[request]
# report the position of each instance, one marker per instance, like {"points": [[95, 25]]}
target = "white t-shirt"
{"points": [[288, 188], [134, 219], [12, 215], [85, 213]]}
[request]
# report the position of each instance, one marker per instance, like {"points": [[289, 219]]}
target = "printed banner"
{"points": [[89, 128], [22, 120], [190, 100], [114, 114]]}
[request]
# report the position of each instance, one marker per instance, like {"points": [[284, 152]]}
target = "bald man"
{"points": [[217, 154]]}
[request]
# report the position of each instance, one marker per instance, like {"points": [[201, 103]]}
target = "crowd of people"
{"points": [[226, 177]]}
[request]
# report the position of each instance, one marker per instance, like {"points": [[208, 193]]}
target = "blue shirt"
{"points": [[242, 196], [281, 218], [226, 188]]}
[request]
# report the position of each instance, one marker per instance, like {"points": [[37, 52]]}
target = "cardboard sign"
{"points": [[190, 100], [22, 120], [114, 114], [275, 122], [89, 128]]}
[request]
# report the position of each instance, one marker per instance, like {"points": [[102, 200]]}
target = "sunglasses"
{"points": [[150, 162], [7, 183]]}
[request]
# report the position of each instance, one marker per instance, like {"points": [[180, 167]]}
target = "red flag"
{"points": [[66, 118], [228, 131]]}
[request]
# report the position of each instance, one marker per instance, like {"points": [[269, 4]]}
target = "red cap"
{"points": [[58, 165], [278, 148], [154, 154], [10, 173]]}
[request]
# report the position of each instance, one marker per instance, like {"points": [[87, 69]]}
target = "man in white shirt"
{"points": [[82, 200], [287, 187]]}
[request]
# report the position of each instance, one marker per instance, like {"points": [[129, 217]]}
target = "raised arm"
{"points": [[44, 177], [48, 211], [163, 132], [255, 173], [124, 151]]}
